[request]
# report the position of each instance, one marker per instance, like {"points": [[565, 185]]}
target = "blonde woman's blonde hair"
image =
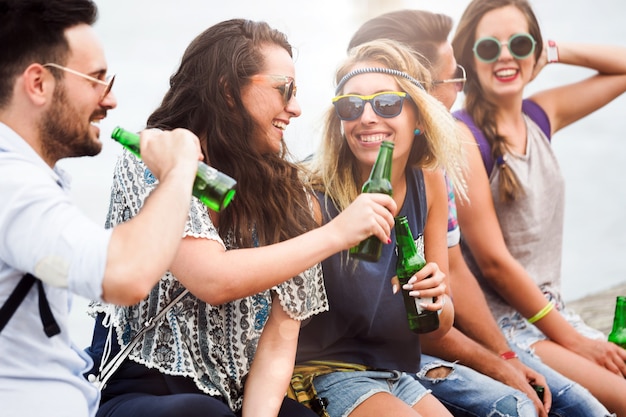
{"points": [[334, 168]]}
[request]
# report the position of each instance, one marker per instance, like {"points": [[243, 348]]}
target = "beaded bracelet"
{"points": [[508, 355], [542, 313]]}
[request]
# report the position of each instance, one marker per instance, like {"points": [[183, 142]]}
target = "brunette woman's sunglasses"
{"points": [[387, 104], [286, 85], [488, 49]]}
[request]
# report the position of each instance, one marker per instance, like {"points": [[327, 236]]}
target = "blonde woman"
{"points": [[380, 96]]}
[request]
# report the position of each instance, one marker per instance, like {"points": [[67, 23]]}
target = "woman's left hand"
{"points": [[426, 283], [605, 354]]}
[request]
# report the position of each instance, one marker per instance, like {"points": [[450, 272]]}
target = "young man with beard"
{"points": [[53, 90]]}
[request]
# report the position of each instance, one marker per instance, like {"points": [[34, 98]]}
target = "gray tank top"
{"points": [[533, 225]]}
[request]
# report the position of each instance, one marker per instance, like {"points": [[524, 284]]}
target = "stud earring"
{"points": [[417, 132]]}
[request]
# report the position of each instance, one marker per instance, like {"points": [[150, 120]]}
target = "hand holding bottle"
{"points": [[370, 214], [379, 181], [166, 152], [602, 352], [411, 262], [428, 282], [519, 376], [214, 188]]}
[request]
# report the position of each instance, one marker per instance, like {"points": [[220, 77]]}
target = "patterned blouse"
{"points": [[213, 345]]}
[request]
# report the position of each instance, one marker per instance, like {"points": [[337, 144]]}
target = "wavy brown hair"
{"points": [[271, 204], [478, 107]]}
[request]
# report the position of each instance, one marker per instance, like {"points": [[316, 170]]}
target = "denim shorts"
{"points": [[344, 391], [466, 392]]}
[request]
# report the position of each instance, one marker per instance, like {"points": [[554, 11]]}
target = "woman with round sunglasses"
{"points": [[252, 270], [513, 228], [368, 351], [473, 369]]}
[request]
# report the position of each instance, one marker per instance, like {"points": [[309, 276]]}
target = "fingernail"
{"points": [[394, 288], [423, 305], [414, 293], [388, 240]]}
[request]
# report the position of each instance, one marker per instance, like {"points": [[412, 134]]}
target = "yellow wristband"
{"points": [[541, 313]]}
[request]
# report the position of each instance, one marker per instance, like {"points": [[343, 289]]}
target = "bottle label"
{"points": [[427, 300], [419, 244]]}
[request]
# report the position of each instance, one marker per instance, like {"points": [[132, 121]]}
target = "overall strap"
{"points": [[109, 367], [537, 115], [530, 108], [50, 326]]}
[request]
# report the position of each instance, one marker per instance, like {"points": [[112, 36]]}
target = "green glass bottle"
{"points": [[379, 181], [409, 262], [540, 390], [214, 188], [618, 334]]}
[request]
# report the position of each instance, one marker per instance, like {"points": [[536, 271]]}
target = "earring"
{"points": [[417, 132]]}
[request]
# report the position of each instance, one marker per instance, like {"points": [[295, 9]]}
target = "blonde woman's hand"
{"points": [[426, 283]]}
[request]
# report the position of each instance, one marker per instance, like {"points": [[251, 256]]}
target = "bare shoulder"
{"points": [[316, 209]]}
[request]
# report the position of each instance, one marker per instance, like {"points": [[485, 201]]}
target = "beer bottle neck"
{"points": [[619, 322], [382, 166]]}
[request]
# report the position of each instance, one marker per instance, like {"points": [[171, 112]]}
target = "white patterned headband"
{"points": [[376, 70]]}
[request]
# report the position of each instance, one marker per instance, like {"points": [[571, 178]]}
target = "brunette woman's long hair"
{"points": [[271, 203], [478, 107]]}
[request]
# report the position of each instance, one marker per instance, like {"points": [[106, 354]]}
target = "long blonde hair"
{"points": [[334, 167]]}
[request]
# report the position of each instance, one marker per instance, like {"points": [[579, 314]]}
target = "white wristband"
{"points": [[553, 52]]}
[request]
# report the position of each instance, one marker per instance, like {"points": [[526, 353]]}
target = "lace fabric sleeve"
{"points": [[132, 184], [305, 294]]}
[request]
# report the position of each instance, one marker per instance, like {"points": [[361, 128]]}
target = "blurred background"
{"points": [[145, 39]]}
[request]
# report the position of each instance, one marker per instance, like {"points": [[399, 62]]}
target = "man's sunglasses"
{"points": [[386, 104], [106, 84], [488, 49], [286, 86], [460, 77]]}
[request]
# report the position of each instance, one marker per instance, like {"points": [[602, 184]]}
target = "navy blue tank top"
{"points": [[366, 323]]}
